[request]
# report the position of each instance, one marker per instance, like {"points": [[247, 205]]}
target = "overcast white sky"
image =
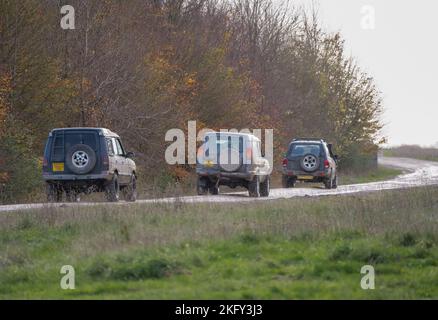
{"points": [[401, 54]]}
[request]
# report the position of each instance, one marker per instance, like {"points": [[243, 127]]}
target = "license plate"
{"points": [[57, 166], [305, 177], [208, 163]]}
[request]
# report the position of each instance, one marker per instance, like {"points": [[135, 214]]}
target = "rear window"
{"points": [[223, 142], [303, 149], [62, 142], [90, 139]]}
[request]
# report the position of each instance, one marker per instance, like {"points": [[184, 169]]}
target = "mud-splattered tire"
{"points": [[214, 190], [287, 182], [254, 187], [202, 186], [130, 191], [112, 189], [335, 182], [328, 183], [265, 187]]}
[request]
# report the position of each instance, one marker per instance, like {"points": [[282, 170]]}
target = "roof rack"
{"points": [[308, 139]]}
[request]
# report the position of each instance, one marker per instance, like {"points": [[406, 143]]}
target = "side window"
{"points": [[119, 147], [113, 140], [110, 147]]}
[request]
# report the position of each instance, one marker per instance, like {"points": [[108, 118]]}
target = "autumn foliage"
{"points": [[144, 67]]}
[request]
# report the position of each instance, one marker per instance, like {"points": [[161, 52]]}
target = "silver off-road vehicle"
{"points": [[233, 160], [85, 160], [310, 160]]}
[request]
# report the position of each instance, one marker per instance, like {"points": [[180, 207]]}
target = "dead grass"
{"points": [[297, 248], [106, 228]]}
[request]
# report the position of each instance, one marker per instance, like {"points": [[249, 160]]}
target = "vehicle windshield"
{"points": [[303, 149]]}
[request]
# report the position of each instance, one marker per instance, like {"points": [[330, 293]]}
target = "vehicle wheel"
{"points": [[202, 186], [112, 190], [72, 195], [265, 187], [328, 183], [214, 190], [54, 193], [335, 182], [309, 162], [287, 182], [80, 159], [130, 191], [227, 160], [254, 187]]}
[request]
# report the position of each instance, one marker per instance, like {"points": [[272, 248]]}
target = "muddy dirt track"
{"points": [[418, 173]]}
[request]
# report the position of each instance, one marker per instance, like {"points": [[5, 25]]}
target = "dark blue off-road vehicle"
{"points": [[85, 160]]}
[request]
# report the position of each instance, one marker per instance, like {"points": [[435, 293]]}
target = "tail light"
{"points": [[284, 162], [45, 162], [105, 162], [200, 153], [249, 155], [326, 164]]}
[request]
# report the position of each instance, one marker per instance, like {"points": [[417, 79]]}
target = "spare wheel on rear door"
{"points": [[81, 159], [309, 162], [230, 160]]}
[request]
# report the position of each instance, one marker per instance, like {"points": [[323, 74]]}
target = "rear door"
{"points": [[63, 140], [297, 151], [230, 150]]}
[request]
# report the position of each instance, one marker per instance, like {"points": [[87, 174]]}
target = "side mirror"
{"points": [[330, 146], [130, 155]]}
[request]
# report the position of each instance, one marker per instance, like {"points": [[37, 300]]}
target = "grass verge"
{"points": [[379, 174], [296, 248]]}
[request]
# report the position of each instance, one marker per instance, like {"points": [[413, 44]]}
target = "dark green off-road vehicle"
{"points": [[310, 160]]}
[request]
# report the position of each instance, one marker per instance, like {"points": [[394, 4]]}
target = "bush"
{"points": [[408, 240], [128, 268]]}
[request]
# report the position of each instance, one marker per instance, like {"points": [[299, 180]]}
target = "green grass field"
{"points": [[379, 174], [412, 151], [304, 248]]}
